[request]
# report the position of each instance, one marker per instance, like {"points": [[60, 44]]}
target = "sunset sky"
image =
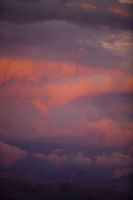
{"points": [[66, 85]]}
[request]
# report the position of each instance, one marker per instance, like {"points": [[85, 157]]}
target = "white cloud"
{"points": [[117, 43]]}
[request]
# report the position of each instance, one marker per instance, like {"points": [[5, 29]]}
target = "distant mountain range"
{"points": [[22, 190], [68, 181], [22, 176], [80, 177], [123, 184]]}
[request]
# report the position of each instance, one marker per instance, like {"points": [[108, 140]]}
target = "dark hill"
{"points": [[20, 190], [123, 184]]}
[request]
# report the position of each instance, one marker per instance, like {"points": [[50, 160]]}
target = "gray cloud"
{"points": [[35, 11], [130, 151], [60, 40]]}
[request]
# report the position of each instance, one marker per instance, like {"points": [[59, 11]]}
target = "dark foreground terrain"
{"points": [[23, 190]]}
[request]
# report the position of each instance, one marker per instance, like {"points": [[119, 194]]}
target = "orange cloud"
{"points": [[33, 70], [40, 106], [128, 85], [62, 93], [46, 84], [84, 6], [88, 6]]}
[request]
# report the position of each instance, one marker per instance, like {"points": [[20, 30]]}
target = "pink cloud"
{"points": [[45, 85], [120, 11], [106, 132], [126, 1], [34, 70], [84, 6], [114, 160], [10, 154], [86, 81]]}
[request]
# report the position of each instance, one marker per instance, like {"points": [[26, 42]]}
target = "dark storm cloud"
{"points": [[82, 12]]}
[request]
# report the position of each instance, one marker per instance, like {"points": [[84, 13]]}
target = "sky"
{"points": [[66, 85]]}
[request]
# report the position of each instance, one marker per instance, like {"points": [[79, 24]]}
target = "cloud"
{"points": [[40, 106], [58, 83], [121, 12], [31, 70], [81, 159], [122, 172], [126, 1], [39, 90], [118, 44], [105, 132], [58, 151], [114, 160], [53, 158], [61, 159], [39, 156], [88, 6], [56, 59], [10, 154], [85, 6], [83, 14], [45, 42], [130, 151], [86, 86]]}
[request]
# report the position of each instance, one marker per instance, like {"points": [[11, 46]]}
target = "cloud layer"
{"points": [[66, 78], [82, 13], [120, 163]]}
